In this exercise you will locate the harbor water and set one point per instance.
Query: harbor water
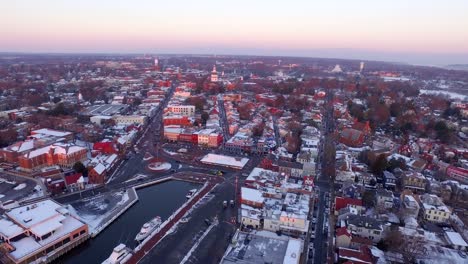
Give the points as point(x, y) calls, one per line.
point(160, 199)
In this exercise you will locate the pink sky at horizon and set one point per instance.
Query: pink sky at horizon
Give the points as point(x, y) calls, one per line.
point(419, 27)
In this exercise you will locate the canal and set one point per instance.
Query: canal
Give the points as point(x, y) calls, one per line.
point(160, 199)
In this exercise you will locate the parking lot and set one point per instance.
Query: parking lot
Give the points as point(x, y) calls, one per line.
point(17, 188)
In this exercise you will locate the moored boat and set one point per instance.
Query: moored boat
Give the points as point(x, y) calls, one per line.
point(120, 255)
point(148, 228)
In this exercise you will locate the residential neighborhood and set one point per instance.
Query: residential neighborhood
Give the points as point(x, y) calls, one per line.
point(280, 160)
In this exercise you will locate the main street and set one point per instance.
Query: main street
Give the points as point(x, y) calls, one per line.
point(323, 184)
point(224, 121)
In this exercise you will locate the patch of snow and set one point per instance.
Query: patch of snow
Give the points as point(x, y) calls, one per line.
point(160, 166)
point(170, 152)
point(452, 95)
point(20, 186)
point(138, 176)
point(124, 199)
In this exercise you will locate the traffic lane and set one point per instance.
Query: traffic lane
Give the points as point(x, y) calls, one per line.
point(213, 246)
point(319, 239)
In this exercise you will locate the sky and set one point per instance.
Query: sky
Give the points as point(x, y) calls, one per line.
point(429, 32)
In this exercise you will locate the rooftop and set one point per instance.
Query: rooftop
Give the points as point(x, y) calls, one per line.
point(263, 247)
point(252, 195)
point(50, 132)
point(223, 160)
point(41, 218)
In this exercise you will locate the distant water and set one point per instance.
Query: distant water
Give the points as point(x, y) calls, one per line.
point(161, 199)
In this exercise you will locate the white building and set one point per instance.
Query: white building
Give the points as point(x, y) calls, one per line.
point(40, 231)
point(434, 209)
point(456, 241)
point(130, 119)
point(186, 110)
point(99, 119)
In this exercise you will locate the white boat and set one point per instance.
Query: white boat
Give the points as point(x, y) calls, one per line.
point(191, 193)
point(120, 255)
point(148, 228)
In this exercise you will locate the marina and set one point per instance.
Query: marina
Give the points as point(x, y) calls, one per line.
point(127, 226)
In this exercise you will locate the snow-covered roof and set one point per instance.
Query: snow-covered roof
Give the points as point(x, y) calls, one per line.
point(30, 215)
point(252, 195)
point(22, 146)
point(262, 247)
point(223, 160)
point(24, 247)
point(41, 218)
point(37, 152)
point(46, 227)
point(257, 173)
point(58, 148)
point(99, 168)
point(456, 239)
point(9, 229)
point(293, 251)
point(50, 132)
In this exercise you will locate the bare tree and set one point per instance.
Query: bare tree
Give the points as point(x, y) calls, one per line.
point(410, 247)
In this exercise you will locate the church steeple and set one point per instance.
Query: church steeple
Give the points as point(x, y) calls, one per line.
point(214, 74)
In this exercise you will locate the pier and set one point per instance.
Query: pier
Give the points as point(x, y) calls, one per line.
point(149, 243)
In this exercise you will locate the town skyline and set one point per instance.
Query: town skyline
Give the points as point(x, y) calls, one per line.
point(420, 32)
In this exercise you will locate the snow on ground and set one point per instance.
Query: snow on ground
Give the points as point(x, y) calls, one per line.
point(124, 199)
point(197, 243)
point(147, 156)
point(20, 186)
point(10, 182)
point(160, 166)
point(138, 176)
point(452, 95)
point(1, 196)
point(170, 152)
point(36, 193)
point(96, 210)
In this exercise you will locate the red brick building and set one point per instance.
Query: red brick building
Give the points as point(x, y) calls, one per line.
point(177, 120)
point(186, 136)
point(97, 174)
point(343, 202)
point(215, 139)
point(64, 155)
point(252, 197)
point(105, 147)
point(459, 174)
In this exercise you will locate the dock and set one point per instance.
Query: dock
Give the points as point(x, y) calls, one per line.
point(132, 199)
point(156, 237)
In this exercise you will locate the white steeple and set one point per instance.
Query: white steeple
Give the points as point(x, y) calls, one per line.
point(214, 74)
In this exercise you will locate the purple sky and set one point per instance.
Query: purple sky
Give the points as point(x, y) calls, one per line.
point(422, 32)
